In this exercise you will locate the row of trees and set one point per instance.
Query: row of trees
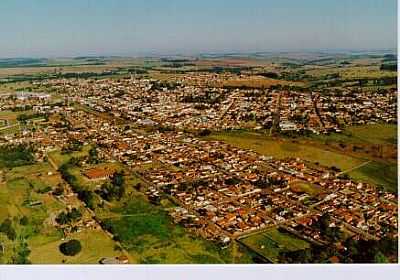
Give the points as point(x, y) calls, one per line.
point(83, 194)
point(23, 118)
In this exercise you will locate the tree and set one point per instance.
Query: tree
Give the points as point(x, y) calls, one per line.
point(93, 156)
point(58, 191)
point(68, 217)
point(6, 228)
point(380, 258)
point(24, 221)
point(87, 197)
point(71, 247)
point(204, 132)
point(75, 214)
point(111, 190)
point(62, 218)
point(22, 255)
point(118, 179)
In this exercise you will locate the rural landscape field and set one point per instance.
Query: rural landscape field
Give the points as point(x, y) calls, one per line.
point(269, 157)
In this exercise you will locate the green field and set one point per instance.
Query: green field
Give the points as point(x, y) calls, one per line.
point(375, 133)
point(364, 134)
point(95, 245)
point(272, 242)
point(59, 158)
point(23, 186)
point(378, 173)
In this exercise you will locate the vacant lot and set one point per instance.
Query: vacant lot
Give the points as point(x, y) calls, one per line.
point(272, 242)
point(305, 187)
point(58, 158)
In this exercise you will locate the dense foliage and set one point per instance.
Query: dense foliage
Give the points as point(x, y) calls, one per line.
point(114, 189)
point(71, 247)
point(16, 155)
point(7, 228)
point(68, 217)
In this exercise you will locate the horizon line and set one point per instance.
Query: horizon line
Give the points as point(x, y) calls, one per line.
point(156, 54)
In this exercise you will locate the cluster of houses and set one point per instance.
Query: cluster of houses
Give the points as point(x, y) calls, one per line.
point(222, 192)
point(194, 105)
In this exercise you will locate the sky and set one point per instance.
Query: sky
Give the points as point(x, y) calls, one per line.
point(50, 28)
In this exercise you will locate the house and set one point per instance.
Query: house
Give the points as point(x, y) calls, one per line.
point(99, 173)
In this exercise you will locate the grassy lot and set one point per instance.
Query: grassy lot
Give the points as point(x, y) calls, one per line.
point(12, 116)
point(272, 242)
point(12, 126)
point(378, 173)
point(95, 245)
point(375, 133)
point(12, 129)
point(305, 187)
point(26, 184)
point(59, 159)
point(149, 235)
point(9, 115)
point(22, 186)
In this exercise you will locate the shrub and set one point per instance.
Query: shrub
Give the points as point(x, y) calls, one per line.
point(24, 221)
point(58, 191)
point(205, 132)
point(70, 248)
